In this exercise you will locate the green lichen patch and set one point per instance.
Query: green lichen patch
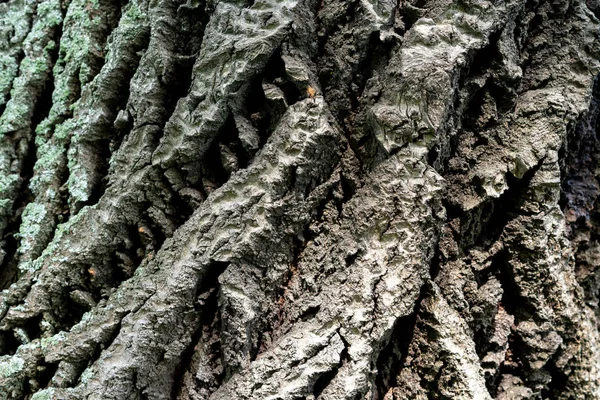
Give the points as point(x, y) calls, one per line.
point(11, 365)
point(34, 218)
point(46, 394)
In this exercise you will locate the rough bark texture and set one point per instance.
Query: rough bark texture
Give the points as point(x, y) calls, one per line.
point(299, 199)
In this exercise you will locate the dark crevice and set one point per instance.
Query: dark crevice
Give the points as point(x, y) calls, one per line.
point(299, 245)
point(486, 222)
point(436, 263)
point(214, 173)
point(558, 382)
point(580, 187)
point(511, 365)
point(45, 374)
point(10, 261)
point(484, 58)
point(207, 308)
point(347, 59)
point(135, 249)
point(351, 258)
point(473, 112)
point(8, 266)
point(376, 58)
point(348, 189)
point(472, 98)
point(257, 111)
point(515, 305)
point(310, 312)
point(410, 12)
point(44, 102)
point(263, 112)
point(99, 279)
point(326, 378)
point(275, 73)
point(392, 356)
point(8, 343)
point(229, 136)
point(192, 18)
point(594, 7)
point(67, 312)
point(32, 327)
point(329, 27)
point(102, 154)
point(512, 301)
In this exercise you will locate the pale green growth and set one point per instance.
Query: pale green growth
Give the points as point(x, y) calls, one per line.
point(28, 266)
point(71, 71)
point(16, 18)
point(13, 115)
point(77, 182)
point(33, 220)
point(8, 70)
point(52, 341)
point(79, 41)
point(86, 317)
point(33, 67)
point(59, 233)
point(7, 183)
point(50, 157)
point(33, 70)
point(50, 12)
point(10, 365)
point(86, 375)
point(41, 131)
point(46, 394)
point(5, 206)
point(133, 14)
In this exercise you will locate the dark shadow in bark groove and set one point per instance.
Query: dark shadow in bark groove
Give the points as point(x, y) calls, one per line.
point(103, 153)
point(579, 186)
point(392, 357)
point(325, 379)
point(514, 305)
point(377, 56)
point(97, 351)
point(275, 73)
point(483, 225)
point(207, 308)
point(46, 372)
point(558, 382)
point(8, 343)
point(8, 267)
point(511, 298)
point(32, 327)
point(506, 207)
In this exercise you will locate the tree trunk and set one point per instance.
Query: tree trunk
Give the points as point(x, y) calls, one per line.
point(299, 199)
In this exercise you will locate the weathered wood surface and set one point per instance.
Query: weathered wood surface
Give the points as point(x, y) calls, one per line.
point(299, 199)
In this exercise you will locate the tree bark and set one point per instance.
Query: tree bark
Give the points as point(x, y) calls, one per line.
point(299, 199)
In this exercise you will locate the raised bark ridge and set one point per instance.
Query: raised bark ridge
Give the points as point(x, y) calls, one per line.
point(299, 199)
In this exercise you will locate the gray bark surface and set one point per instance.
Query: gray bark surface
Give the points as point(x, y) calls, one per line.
point(299, 199)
